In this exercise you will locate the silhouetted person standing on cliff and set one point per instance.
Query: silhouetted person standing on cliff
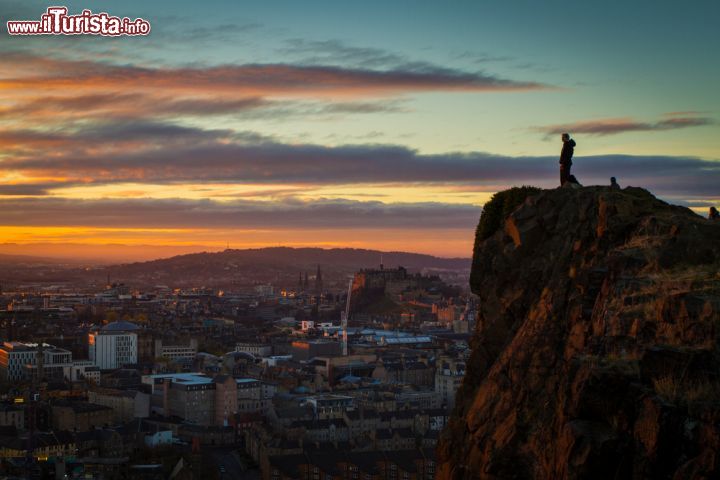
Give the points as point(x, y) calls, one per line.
point(566, 155)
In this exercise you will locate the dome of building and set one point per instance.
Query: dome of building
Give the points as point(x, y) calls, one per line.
point(240, 356)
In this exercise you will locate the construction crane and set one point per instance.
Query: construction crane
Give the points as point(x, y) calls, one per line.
point(35, 383)
point(344, 320)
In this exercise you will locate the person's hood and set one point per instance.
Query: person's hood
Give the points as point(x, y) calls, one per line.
point(571, 142)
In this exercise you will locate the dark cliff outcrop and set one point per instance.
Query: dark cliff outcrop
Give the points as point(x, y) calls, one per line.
point(596, 349)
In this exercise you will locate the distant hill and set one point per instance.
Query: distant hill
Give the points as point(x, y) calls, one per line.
point(279, 265)
point(287, 256)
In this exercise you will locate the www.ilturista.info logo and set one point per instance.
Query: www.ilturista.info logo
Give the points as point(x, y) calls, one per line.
point(56, 21)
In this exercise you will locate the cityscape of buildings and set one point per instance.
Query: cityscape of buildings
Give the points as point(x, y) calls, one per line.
point(238, 245)
point(263, 382)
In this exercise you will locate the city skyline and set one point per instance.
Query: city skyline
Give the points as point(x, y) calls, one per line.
point(332, 124)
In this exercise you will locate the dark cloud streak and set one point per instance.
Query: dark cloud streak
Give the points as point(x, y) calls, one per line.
point(239, 214)
point(156, 152)
point(253, 79)
point(614, 126)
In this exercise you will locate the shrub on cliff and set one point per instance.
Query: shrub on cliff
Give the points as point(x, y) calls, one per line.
point(493, 216)
point(498, 208)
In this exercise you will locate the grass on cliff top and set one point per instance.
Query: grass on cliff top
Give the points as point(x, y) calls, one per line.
point(499, 207)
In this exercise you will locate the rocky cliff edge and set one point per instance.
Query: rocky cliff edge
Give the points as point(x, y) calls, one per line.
point(596, 348)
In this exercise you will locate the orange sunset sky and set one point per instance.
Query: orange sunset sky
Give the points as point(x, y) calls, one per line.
point(334, 124)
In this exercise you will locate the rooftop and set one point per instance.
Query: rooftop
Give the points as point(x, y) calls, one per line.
point(119, 326)
point(182, 378)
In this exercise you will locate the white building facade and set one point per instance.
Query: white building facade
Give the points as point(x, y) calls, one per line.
point(114, 346)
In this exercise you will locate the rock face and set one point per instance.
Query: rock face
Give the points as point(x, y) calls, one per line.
point(596, 349)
